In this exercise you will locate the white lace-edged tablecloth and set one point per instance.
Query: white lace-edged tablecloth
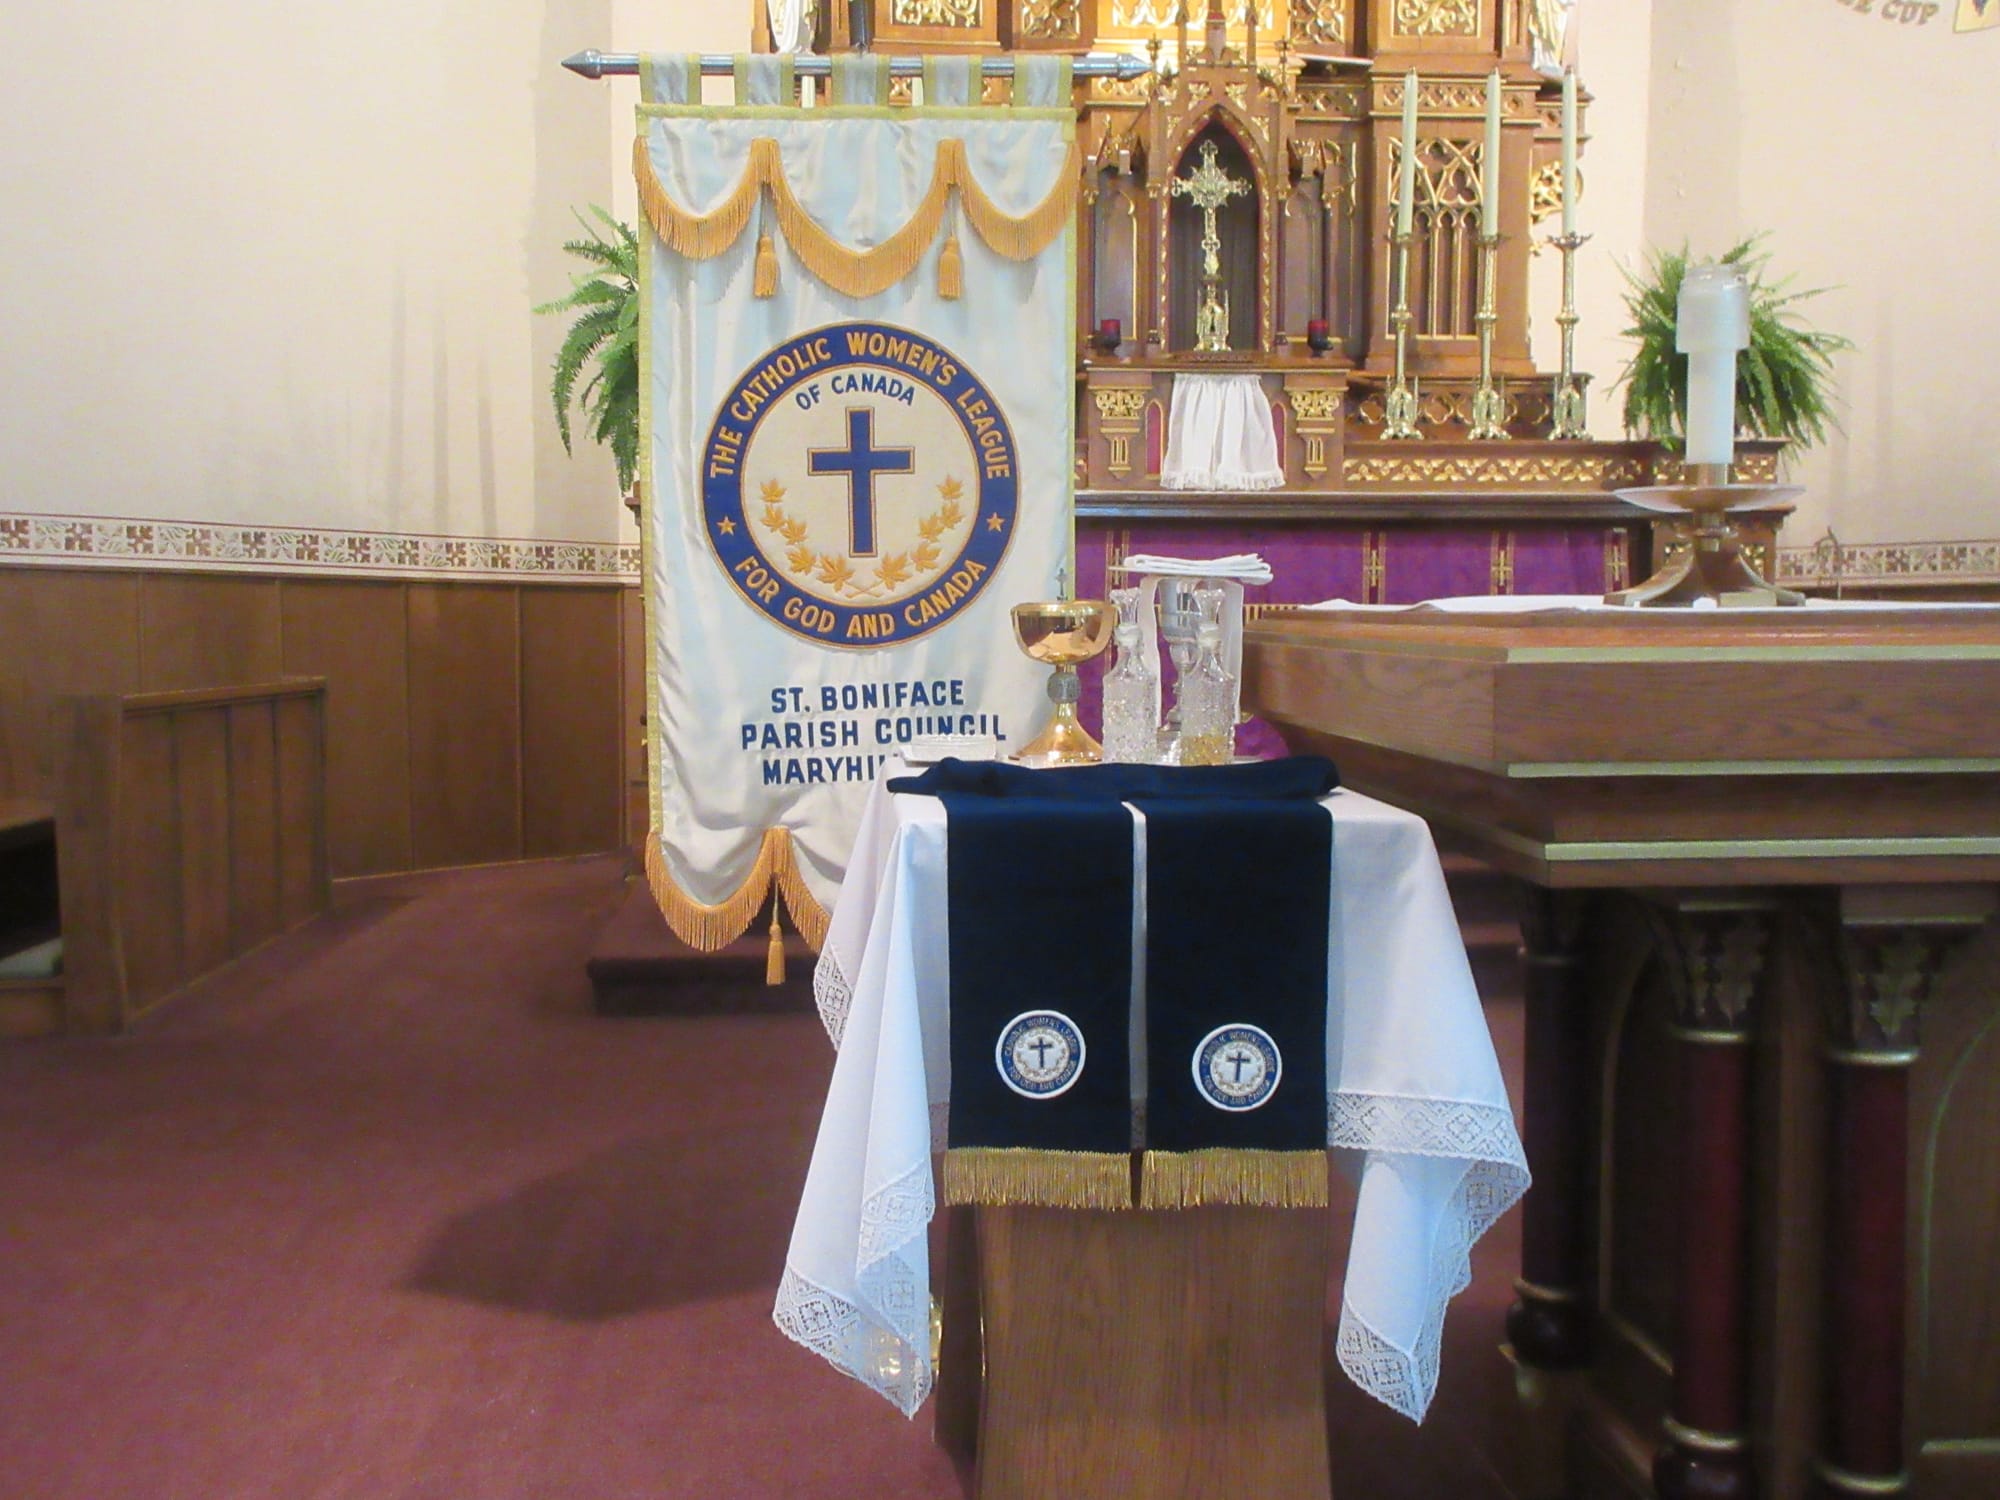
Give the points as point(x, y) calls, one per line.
point(1415, 1095)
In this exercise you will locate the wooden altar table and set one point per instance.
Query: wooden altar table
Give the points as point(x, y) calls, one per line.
point(1756, 854)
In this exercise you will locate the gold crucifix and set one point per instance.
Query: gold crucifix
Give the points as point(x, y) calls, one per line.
point(1208, 187)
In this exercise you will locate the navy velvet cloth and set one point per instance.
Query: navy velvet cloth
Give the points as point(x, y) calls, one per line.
point(1238, 871)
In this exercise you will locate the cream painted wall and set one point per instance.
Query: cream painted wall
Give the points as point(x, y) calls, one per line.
point(273, 264)
point(1865, 140)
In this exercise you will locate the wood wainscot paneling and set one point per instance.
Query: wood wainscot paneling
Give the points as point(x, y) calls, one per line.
point(61, 632)
point(199, 630)
point(190, 826)
point(356, 636)
point(465, 723)
point(635, 805)
point(570, 726)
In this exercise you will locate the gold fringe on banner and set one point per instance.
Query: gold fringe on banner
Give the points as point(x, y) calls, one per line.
point(809, 918)
point(1262, 1179)
point(1016, 1178)
point(951, 270)
point(764, 281)
point(855, 273)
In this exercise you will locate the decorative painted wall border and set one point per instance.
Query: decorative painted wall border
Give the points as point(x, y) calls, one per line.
point(115, 541)
point(1916, 563)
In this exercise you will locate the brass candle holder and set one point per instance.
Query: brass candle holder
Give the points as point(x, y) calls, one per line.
point(1712, 567)
point(1489, 407)
point(1568, 402)
point(1399, 402)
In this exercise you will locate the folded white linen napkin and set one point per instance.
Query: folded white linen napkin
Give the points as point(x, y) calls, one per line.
point(1245, 567)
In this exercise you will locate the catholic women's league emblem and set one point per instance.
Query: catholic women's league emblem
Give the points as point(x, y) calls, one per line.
point(859, 485)
point(1237, 1067)
point(1040, 1053)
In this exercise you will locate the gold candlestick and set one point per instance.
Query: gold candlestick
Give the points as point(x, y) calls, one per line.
point(1567, 406)
point(1489, 407)
point(1399, 403)
point(1712, 568)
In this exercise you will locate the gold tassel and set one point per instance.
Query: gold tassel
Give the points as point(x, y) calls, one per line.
point(1262, 1179)
point(774, 955)
point(764, 282)
point(1013, 1177)
point(951, 270)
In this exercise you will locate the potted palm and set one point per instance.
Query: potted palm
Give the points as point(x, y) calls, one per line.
point(597, 368)
point(1784, 380)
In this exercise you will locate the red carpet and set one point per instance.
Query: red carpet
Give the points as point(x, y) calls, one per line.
point(383, 1213)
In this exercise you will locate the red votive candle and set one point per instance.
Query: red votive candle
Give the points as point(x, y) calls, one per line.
point(1316, 328)
point(1109, 331)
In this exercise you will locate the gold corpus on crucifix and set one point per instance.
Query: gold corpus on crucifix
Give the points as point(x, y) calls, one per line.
point(1208, 187)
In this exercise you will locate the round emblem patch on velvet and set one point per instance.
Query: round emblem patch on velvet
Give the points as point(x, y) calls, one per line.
point(1237, 1067)
point(1040, 1054)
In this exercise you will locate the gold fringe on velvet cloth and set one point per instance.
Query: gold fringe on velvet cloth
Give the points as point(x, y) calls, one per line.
point(1015, 1178)
point(706, 928)
point(855, 273)
point(1260, 1179)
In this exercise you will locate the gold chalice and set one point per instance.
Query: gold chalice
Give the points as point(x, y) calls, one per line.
point(1063, 633)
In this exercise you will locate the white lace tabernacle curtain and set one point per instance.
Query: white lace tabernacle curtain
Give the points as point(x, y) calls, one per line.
point(1416, 1108)
point(1220, 436)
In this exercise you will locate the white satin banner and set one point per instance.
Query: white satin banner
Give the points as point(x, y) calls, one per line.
point(857, 384)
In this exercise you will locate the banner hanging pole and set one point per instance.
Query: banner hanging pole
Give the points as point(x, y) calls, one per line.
point(590, 63)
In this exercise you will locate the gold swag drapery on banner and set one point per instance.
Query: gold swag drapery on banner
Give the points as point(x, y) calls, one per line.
point(856, 363)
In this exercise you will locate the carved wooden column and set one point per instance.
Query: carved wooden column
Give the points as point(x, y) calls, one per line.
point(1713, 948)
point(1549, 1323)
point(1892, 945)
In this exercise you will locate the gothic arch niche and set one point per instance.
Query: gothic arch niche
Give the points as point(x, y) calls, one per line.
point(1239, 222)
point(1115, 241)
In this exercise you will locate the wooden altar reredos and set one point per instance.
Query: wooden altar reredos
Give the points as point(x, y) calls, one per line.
point(1303, 102)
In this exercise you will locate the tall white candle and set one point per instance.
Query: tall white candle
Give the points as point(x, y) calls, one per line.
point(1569, 151)
point(1712, 322)
point(1489, 185)
point(1406, 175)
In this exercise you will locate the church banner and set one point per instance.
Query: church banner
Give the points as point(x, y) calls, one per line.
point(856, 367)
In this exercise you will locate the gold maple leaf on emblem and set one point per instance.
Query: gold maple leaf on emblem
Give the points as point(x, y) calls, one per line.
point(893, 569)
point(793, 530)
point(774, 517)
point(925, 555)
point(773, 492)
point(835, 571)
point(949, 488)
point(799, 558)
point(950, 514)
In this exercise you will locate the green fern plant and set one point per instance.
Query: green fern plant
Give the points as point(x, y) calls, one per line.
point(1784, 380)
point(606, 334)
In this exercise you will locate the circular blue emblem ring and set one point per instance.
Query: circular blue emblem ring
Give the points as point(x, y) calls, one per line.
point(859, 485)
point(1237, 1067)
point(1039, 1054)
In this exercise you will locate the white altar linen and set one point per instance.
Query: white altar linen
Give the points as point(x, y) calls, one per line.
point(1220, 436)
point(1416, 1104)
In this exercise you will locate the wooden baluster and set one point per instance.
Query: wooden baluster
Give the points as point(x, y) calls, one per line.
point(1892, 945)
point(1549, 1324)
point(1713, 946)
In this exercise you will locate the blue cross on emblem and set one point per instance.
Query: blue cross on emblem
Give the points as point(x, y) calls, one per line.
point(861, 461)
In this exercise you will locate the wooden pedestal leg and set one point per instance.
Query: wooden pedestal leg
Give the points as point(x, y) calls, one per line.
point(1713, 948)
point(1889, 961)
point(1548, 1326)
